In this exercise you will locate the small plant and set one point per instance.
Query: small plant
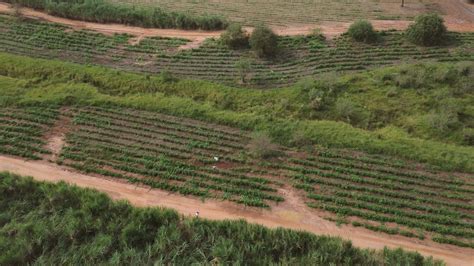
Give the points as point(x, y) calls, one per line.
point(428, 30)
point(235, 37)
point(362, 31)
point(264, 41)
point(167, 76)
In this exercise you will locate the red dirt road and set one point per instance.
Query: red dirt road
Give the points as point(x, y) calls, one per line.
point(290, 214)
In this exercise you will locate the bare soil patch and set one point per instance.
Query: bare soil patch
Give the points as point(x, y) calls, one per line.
point(55, 136)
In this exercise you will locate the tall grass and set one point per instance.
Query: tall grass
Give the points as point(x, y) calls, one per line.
point(104, 12)
point(52, 224)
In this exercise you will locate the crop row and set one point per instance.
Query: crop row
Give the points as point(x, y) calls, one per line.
point(300, 56)
point(22, 130)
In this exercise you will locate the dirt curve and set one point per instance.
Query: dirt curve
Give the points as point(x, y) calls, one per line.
point(290, 214)
point(458, 18)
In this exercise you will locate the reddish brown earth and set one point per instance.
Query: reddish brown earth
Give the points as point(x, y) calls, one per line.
point(293, 213)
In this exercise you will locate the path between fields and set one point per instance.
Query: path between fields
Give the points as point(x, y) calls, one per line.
point(290, 214)
point(458, 18)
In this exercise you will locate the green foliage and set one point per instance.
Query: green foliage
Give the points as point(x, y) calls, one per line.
point(261, 146)
point(72, 225)
point(244, 66)
point(427, 30)
point(104, 12)
point(281, 112)
point(362, 31)
point(264, 41)
point(235, 37)
point(346, 110)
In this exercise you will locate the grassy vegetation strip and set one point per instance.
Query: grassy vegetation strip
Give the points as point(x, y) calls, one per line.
point(103, 11)
point(195, 99)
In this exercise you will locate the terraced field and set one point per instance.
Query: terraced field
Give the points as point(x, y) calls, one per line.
point(210, 161)
point(275, 12)
point(300, 56)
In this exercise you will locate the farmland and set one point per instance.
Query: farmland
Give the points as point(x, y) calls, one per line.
point(302, 56)
point(275, 12)
point(348, 119)
point(208, 161)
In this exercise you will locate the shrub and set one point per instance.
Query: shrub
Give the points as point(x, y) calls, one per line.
point(264, 41)
point(243, 66)
point(428, 29)
point(261, 146)
point(345, 110)
point(235, 37)
point(362, 31)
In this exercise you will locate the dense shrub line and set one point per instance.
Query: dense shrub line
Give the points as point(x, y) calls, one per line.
point(100, 231)
point(104, 12)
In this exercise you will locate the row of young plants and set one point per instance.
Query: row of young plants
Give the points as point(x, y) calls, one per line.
point(149, 120)
point(134, 146)
point(21, 131)
point(378, 182)
point(375, 204)
point(350, 185)
point(303, 55)
point(385, 165)
point(349, 169)
point(178, 143)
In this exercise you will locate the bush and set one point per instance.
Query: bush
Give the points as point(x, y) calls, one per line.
point(261, 146)
point(428, 29)
point(264, 41)
point(345, 110)
point(235, 37)
point(362, 31)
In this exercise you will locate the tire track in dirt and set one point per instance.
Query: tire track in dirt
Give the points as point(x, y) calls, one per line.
point(290, 214)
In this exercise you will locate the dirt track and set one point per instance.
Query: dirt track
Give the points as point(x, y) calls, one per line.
point(290, 214)
point(458, 18)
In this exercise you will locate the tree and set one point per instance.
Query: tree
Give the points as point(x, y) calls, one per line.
point(244, 66)
point(235, 37)
point(362, 31)
point(428, 29)
point(264, 41)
